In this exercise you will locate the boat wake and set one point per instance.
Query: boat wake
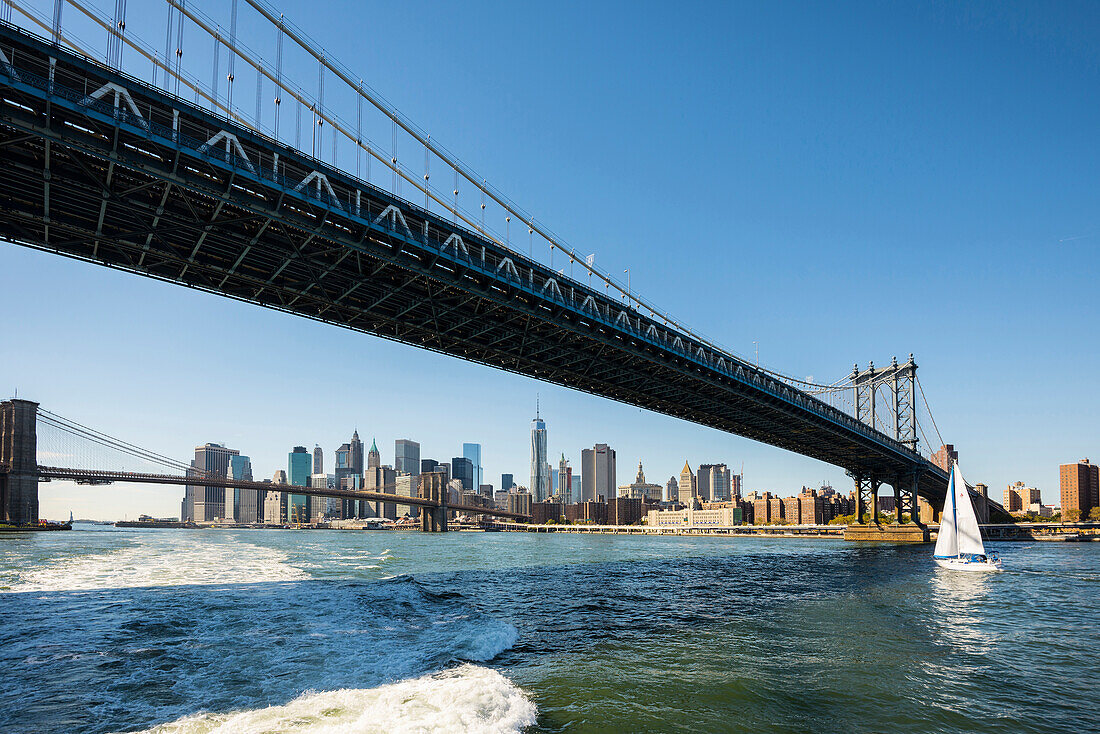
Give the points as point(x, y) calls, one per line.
point(462, 699)
point(161, 559)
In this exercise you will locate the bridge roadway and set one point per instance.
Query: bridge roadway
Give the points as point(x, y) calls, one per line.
point(94, 477)
point(104, 168)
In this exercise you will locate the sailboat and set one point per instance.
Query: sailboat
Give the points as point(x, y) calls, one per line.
point(959, 544)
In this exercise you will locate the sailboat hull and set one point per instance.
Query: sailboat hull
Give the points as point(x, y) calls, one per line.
point(964, 564)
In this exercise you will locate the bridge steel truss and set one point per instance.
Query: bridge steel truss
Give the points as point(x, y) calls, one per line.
point(104, 168)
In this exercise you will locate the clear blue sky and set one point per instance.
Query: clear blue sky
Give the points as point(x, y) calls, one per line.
point(837, 184)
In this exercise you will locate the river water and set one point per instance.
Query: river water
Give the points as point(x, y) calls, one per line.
point(105, 630)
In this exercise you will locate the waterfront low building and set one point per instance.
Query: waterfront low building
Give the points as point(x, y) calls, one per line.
point(711, 517)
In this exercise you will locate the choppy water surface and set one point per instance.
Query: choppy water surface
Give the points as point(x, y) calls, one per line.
point(319, 631)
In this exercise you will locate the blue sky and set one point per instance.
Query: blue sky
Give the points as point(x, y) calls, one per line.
point(837, 184)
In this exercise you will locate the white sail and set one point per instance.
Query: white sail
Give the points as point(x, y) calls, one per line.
point(966, 522)
point(947, 544)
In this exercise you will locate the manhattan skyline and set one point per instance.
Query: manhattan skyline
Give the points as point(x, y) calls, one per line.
point(827, 219)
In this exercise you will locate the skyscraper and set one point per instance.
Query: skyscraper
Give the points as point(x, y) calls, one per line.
point(275, 501)
point(355, 454)
point(406, 486)
point(406, 457)
point(735, 486)
point(428, 466)
point(318, 460)
point(598, 473)
point(540, 476)
point(374, 456)
point(379, 479)
point(298, 468)
point(506, 482)
point(462, 469)
point(672, 490)
point(349, 473)
point(565, 481)
point(713, 483)
point(204, 504)
point(687, 487)
point(247, 504)
point(472, 451)
point(321, 508)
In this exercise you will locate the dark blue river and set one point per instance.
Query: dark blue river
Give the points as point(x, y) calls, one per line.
point(105, 630)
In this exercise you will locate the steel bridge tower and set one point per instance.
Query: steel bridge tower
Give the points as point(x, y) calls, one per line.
point(898, 381)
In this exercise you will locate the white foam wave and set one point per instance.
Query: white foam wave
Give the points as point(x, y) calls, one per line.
point(162, 559)
point(463, 699)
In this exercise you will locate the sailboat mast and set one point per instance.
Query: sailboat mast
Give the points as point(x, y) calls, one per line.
point(955, 509)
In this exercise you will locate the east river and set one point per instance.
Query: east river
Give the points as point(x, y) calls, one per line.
point(106, 630)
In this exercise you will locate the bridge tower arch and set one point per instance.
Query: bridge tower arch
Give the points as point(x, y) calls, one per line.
point(19, 453)
point(433, 486)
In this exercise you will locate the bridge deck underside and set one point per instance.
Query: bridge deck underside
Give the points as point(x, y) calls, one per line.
point(113, 194)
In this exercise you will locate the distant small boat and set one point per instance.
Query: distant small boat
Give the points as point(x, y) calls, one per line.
point(959, 543)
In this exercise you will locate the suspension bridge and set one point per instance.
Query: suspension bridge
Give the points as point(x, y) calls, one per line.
point(127, 160)
point(31, 436)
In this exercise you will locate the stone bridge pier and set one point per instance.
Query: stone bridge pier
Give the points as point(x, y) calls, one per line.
point(433, 486)
point(19, 453)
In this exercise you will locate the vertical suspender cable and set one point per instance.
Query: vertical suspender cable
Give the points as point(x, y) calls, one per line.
point(393, 158)
point(109, 54)
point(57, 6)
point(232, 56)
point(214, 71)
point(320, 121)
point(358, 132)
point(259, 98)
point(179, 48)
point(278, 75)
point(121, 26)
point(168, 45)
